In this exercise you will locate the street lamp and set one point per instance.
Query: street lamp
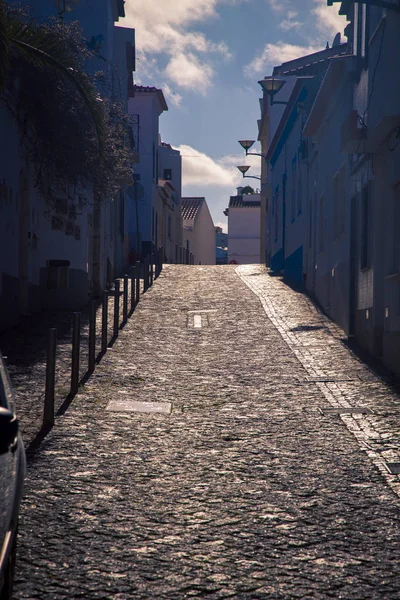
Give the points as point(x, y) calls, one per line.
point(243, 169)
point(64, 6)
point(247, 144)
point(271, 85)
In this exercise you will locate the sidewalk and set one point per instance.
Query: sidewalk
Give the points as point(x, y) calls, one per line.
point(252, 487)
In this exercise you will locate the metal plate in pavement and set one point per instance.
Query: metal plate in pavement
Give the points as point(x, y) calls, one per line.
point(142, 407)
point(393, 468)
point(353, 410)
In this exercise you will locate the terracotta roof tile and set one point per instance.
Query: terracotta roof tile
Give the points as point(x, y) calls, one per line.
point(238, 202)
point(190, 207)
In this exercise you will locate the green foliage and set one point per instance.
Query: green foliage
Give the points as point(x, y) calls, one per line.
point(74, 138)
point(247, 190)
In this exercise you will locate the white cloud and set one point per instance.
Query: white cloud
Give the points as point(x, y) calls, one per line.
point(171, 96)
point(278, 6)
point(186, 71)
point(161, 27)
point(276, 54)
point(328, 21)
point(288, 24)
point(199, 169)
point(224, 226)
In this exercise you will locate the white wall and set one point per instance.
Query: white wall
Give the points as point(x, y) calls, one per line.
point(204, 239)
point(244, 234)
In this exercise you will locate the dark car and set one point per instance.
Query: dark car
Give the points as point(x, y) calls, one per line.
point(12, 472)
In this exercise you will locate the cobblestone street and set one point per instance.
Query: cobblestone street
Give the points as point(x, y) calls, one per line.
point(273, 475)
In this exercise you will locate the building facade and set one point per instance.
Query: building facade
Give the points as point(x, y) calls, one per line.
point(244, 218)
point(198, 230)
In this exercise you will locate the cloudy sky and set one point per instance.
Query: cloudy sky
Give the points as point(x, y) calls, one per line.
point(207, 56)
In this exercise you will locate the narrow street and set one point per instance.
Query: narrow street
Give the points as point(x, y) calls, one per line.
point(269, 472)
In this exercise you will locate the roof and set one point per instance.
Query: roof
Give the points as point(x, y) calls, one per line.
point(336, 76)
point(290, 109)
point(242, 202)
point(191, 207)
point(146, 89)
point(311, 64)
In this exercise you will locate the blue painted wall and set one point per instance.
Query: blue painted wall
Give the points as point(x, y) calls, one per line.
point(277, 261)
point(293, 268)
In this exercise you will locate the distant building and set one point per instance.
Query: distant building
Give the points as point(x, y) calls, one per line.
point(170, 178)
point(145, 106)
point(244, 215)
point(198, 230)
point(221, 246)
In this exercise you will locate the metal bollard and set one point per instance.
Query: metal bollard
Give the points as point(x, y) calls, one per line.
point(92, 337)
point(116, 309)
point(137, 278)
point(76, 342)
point(145, 273)
point(48, 410)
point(152, 265)
point(156, 263)
point(125, 300)
point(133, 292)
point(104, 323)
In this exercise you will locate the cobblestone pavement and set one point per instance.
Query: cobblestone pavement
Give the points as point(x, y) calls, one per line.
point(250, 488)
point(25, 348)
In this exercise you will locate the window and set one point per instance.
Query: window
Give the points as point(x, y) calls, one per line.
point(365, 250)
point(168, 174)
point(321, 228)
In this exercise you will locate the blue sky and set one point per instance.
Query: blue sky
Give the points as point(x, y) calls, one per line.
point(207, 56)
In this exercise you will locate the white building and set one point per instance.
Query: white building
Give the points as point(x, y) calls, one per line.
point(328, 268)
point(370, 143)
point(54, 255)
point(244, 216)
point(198, 230)
point(145, 106)
point(170, 177)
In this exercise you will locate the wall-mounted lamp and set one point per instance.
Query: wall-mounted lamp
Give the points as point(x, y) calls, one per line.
point(271, 85)
point(247, 144)
point(243, 169)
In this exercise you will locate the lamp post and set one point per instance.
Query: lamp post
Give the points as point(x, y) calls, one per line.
point(243, 169)
point(271, 85)
point(246, 145)
point(64, 6)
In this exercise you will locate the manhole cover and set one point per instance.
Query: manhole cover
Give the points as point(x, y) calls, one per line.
point(346, 411)
point(142, 407)
point(393, 468)
point(327, 380)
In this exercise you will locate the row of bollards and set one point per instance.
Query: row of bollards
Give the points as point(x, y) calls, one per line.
point(148, 271)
